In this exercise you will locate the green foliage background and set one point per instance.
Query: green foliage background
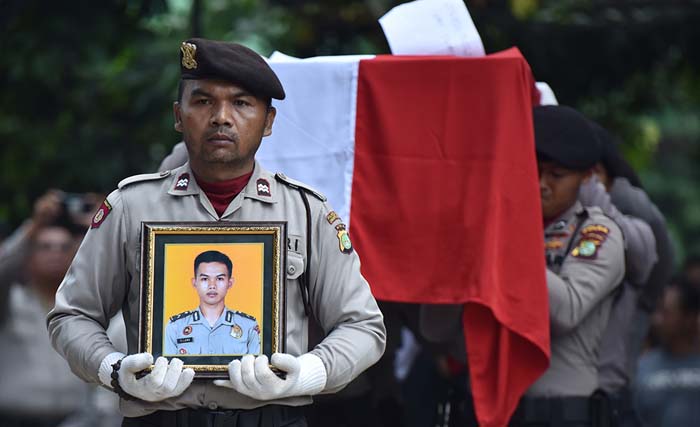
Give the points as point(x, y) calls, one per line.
point(87, 86)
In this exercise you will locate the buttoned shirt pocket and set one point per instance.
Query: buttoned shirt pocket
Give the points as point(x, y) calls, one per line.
point(295, 265)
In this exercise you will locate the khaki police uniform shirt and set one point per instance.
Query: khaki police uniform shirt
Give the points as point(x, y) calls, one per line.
point(104, 277)
point(232, 333)
point(581, 285)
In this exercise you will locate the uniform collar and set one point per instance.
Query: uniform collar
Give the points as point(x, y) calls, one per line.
point(565, 218)
point(224, 318)
point(261, 186)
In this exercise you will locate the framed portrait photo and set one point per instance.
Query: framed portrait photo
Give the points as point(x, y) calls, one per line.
point(212, 292)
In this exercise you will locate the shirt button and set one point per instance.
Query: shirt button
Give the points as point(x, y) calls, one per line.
point(291, 269)
point(213, 406)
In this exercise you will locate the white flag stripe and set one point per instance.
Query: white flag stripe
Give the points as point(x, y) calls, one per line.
point(313, 138)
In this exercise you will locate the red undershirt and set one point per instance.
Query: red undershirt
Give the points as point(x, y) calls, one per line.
point(221, 193)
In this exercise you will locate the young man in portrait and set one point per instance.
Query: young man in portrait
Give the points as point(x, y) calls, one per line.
point(212, 328)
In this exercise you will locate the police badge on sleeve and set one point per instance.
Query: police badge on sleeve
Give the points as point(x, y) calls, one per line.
point(101, 214)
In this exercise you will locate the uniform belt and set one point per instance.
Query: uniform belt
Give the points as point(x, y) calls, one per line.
point(265, 416)
point(554, 410)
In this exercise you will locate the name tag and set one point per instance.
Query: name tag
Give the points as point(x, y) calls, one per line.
point(184, 340)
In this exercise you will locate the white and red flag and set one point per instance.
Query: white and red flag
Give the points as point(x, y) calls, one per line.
point(431, 160)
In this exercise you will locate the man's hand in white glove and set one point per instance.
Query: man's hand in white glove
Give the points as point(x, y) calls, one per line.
point(253, 377)
point(166, 380)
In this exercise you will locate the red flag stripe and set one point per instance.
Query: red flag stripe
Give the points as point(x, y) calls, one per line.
point(445, 207)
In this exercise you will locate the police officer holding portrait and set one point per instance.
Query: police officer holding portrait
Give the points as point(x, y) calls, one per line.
point(212, 328)
point(223, 111)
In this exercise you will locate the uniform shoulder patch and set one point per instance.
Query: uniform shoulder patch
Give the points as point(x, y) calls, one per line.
point(289, 182)
point(142, 177)
point(344, 242)
point(591, 240)
point(101, 214)
point(247, 316)
point(180, 316)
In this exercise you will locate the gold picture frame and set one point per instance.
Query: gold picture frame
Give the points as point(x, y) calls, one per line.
point(212, 292)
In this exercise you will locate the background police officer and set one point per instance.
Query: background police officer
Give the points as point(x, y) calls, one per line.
point(584, 254)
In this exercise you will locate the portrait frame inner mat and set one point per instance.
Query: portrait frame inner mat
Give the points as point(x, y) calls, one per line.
point(254, 305)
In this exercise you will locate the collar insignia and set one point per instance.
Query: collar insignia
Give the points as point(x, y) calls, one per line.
point(263, 187)
point(183, 181)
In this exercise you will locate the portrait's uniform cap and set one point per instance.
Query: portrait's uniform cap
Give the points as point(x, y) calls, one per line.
point(565, 136)
point(211, 59)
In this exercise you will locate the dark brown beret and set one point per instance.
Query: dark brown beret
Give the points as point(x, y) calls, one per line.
point(210, 59)
point(565, 136)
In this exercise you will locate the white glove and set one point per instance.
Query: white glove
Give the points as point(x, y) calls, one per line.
point(252, 376)
point(166, 380)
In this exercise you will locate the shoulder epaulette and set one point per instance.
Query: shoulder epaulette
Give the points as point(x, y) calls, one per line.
point(143, 177)
point(247, 316)
point(289, 182)
point(180, 316)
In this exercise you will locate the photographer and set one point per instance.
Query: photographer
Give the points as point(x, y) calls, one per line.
point(37, 387)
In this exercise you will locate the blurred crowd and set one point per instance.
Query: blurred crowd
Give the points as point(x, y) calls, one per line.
point(647, 352)
point(37, 387)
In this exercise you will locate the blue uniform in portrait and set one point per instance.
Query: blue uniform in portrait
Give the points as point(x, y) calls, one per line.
point(233, 333)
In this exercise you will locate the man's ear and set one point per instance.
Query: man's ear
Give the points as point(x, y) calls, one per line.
point(230, 283)
point(269, 119)
point(194, 282)
point(178, 116)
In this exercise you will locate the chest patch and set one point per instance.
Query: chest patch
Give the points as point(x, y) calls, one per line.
point(236, 331)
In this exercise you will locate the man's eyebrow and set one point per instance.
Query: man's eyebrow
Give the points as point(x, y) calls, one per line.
point(199, 92)
point(241, 93)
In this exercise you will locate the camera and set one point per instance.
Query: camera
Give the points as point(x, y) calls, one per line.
point(76, 204)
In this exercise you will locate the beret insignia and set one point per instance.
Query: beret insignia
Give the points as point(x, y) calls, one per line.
point(188, 50)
